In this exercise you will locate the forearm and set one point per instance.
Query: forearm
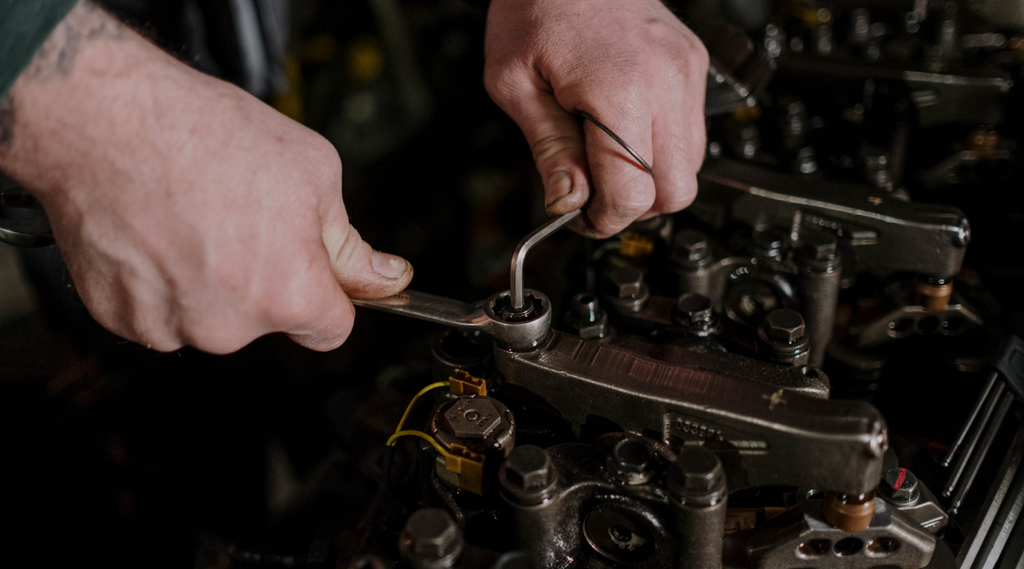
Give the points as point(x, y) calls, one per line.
point(91, 80)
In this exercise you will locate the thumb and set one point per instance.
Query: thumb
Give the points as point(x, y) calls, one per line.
point(361, 271)
point(555, 136)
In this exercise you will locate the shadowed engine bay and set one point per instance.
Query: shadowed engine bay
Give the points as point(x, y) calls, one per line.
point(812, 366)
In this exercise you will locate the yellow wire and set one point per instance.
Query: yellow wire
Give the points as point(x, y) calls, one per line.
point(420, 434)
point(413, 402)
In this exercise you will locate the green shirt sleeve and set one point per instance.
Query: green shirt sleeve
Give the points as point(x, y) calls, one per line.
point(24, 26)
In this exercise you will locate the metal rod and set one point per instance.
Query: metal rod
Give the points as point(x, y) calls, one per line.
point(979, 456)
point(970, 419)
point(519, 257)
point(997, 494)
point(1007, 516)
point(986, 413)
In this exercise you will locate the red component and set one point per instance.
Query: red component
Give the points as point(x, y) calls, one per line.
point(899, 479)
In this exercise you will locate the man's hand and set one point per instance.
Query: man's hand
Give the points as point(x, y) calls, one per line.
point(188, 212)
point(630, 63)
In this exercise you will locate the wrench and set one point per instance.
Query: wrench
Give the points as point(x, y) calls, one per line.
point(486, 315)
point(518, 319)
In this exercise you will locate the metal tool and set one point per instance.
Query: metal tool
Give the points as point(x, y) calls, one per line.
point(519, 257)
point(992, 379)
point(486, 315)
point(517, 319)
point(23, 222)
point(984, 421)
point(987, 539)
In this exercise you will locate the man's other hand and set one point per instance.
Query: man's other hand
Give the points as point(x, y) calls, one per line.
point(632, 65)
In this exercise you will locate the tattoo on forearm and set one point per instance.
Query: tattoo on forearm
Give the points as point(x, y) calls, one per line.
point(85, 23)
point(56, 58)
point(6, 121)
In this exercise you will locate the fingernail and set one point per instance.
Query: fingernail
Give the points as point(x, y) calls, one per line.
point(389, 266)
point(559, 185)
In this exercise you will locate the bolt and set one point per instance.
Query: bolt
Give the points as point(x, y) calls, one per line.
point(586, 305)
point(472, 417)
point(528, 468)
point(693, 309)
point(586, 316)
point(690, 245)
point(630, 461)
point(697, 477)
point(769, 242)
point(628, 281)
point(818, 246)
point(784, 325)
point(860, 21)
point(431, 539)
point(901, 486)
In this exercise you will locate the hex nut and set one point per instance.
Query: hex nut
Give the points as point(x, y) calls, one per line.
point(784, 325)
point(472, 417)
point(431, 539)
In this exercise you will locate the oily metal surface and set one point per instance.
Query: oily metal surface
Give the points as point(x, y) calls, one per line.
point(763, 434)
point(885, 234)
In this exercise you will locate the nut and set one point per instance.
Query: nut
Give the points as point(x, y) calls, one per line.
point(784, 325)
point(472, 417)
point(431, 538)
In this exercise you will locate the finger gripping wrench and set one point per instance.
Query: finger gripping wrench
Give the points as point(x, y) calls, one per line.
point(518, 319)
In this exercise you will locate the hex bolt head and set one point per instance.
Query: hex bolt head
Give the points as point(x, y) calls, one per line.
point(528, 476)
point(818, 246)
point(431, 539)
point(784, 325)
point(697, 477)
point(693, 309)
point(900, 485)
point(529, 467)
point(690, 245)
point(627, 282)
point(472, 417)
point(630, 461)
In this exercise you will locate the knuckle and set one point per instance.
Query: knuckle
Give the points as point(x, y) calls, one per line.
point(630, 204)
point(221, 341)
point(503, 80)
point(290, 309)
point(553, 147)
